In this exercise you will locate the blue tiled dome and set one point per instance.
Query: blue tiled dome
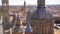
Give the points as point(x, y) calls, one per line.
point(28, 28)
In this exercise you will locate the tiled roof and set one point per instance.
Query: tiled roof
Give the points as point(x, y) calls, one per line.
point(41, 14)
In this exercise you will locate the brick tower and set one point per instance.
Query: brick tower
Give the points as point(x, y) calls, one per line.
point(24, 4)
point(5, 10)
point(42, 20)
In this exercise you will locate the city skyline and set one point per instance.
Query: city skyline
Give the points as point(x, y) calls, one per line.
point(31, 2)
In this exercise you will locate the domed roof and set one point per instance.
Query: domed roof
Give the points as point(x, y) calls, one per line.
point(28, 28)
point(41, 13)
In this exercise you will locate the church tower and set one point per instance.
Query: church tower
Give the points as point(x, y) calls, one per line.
point(42, 20)
point(24, 4)
point(5, 10)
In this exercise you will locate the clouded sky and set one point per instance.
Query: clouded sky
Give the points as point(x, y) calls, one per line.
point(31, 2)
point(51, 2)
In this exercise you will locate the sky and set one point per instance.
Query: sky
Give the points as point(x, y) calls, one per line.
point(52, 2)
point(31, 2)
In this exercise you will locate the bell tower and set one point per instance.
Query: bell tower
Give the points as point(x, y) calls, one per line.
point(42, 20)
point(24, 4)
point(5, 10)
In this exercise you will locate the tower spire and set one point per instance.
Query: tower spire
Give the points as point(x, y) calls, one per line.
point(24, 3)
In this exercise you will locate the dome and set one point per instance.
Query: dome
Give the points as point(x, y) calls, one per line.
point(41, 13)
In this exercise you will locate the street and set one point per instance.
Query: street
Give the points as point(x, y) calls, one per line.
point(57, 31)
